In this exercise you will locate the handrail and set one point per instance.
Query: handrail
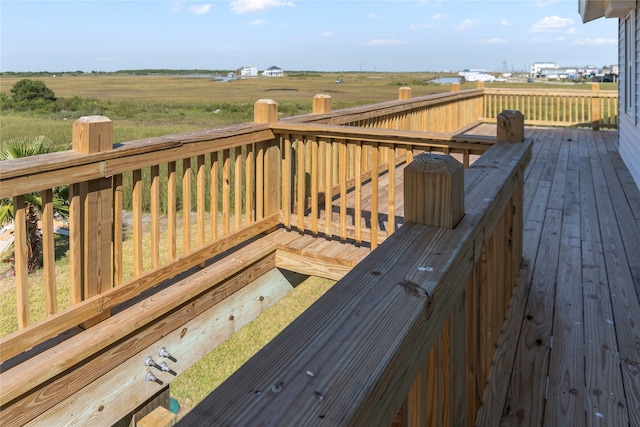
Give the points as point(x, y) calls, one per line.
point(352, 357)
point(593, 108)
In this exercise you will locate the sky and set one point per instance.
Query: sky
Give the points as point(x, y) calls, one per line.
point(319, 35)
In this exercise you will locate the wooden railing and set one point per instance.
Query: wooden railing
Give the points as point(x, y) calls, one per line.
point(409, 334)
point(245, 180)
point(236, 173)
point(595, 108)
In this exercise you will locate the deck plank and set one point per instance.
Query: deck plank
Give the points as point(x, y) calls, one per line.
point(565, 387)
point(602, 361)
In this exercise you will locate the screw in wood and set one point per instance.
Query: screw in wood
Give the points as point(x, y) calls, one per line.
point(164, 353)
point(150, 377)
point(166, 368)
point(152, 363)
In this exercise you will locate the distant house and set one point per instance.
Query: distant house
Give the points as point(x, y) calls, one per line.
point(246, 72)
point(273, 72)
point(628, 14)
point(537, 67)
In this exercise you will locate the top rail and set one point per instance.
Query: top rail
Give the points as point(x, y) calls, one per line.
point(593, 108)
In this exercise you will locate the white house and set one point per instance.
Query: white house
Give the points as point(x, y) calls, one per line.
point(537, 67)
point(628, 14)
point(246, 72)
point(273, 72)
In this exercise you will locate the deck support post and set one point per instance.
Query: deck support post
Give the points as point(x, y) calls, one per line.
point(404, 93)
point(434, 195)
point(321, 104)
point(91, 217)
point(434, 190)
point(510, 126)
point(266, 111)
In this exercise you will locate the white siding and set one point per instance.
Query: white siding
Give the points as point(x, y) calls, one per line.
point(629, 125)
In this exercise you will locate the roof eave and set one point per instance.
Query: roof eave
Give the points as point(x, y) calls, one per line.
point(594, 9)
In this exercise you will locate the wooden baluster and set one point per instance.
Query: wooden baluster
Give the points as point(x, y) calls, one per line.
point(237, 188)
point(155, 216)
point(200, 199)
point(172, 217)
point(328, 199)
point(249, 178)
point(48, 252)
point(300, 181)
point(186, 205)
point(358, 191)
point(137, 222)
point(21, 253)
point(595, 106)
point(286, 181)
point(374, 196)
point(214, 193)
point(118, 230)
point(342, 161)
point(314, 184)
point(391, 176)
point(226, 192)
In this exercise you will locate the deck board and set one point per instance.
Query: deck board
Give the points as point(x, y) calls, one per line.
point(577, 359)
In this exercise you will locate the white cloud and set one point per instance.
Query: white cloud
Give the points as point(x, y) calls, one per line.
point(504, 23)
point(385, 42)
point(328, 34)
point(551, 24)
point(200, 9)
point(572, 30)
point(258, 22)
point(493, 40)
point(437, 17)
point(466, 24)
point(374, 16)
point(597, 41)
point(244, 6)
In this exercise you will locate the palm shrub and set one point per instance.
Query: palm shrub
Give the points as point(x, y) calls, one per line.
point(26, 147)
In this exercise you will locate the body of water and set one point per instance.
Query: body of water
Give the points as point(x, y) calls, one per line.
point(446, 80)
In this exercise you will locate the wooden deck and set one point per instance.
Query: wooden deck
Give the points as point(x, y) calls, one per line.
point(577, 361)
point(578, 357)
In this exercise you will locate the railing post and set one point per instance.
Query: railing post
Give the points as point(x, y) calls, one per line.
point(321, 104)
point(595, 106)
point(91, 216)
point(434, 195)
point(480, 85)
point(404, 93)
point(434, 190)
point(455, 87)
point(266, 111)
point(510, 126)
